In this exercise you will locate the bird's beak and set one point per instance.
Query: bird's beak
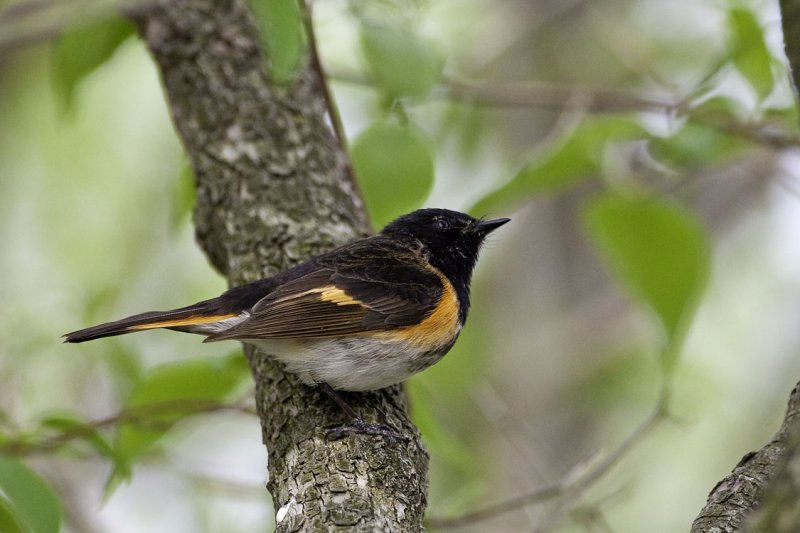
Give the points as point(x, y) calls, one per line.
point(487, 226)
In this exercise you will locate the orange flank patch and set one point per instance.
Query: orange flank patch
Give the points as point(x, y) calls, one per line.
point(188, 321)
point(439, 327)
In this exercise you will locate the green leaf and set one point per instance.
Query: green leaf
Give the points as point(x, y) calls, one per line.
point(749, 50)
point(400, 62)
point(183, 196)
point(696, 145)
point(81, 50)
point(439, 438)
point(9, 521)
point(167, 394)
point(659, 251)
point(31, 503)
point(282, 36)
point(68, 423)
point(575, 157)
point(467, 125)
point(395, 167)
point(616, 380)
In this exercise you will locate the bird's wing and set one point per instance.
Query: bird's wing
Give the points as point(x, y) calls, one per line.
point(347, 296)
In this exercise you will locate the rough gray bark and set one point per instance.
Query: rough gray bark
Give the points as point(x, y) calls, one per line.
point(780, 507)
point(272, 190)
point(790, 20)
point(735, 497)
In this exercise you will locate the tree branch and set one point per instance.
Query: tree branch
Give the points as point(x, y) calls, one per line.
point(272, 190)
point(780, 506)
point(733, 498)
point(551, 95)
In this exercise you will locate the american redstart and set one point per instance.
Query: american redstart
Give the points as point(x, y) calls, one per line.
point(360, 317)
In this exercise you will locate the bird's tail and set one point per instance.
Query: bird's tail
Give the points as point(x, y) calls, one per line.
point(198, 318)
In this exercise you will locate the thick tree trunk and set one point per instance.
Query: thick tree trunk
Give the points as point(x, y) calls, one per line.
point(272, 190)
point(790, 21)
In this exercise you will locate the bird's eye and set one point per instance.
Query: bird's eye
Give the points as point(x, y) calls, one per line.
point(441, 225)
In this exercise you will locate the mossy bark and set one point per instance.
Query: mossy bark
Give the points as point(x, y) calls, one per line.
point(272, 190)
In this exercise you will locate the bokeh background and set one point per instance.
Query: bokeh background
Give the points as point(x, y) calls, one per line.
point(558, 363)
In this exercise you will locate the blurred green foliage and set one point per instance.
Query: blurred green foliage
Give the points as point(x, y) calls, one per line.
point(399, 61)
point(27, 503)
point(749, 50)
point(395, 166)
point(167, 394)
point(281, 30)
point(574, 157)
point(82, 49)
point(96, 204)
point(660, 251)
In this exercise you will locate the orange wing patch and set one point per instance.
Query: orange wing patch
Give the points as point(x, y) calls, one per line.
point(188, 321)
point(328, 293)
point(338, 296)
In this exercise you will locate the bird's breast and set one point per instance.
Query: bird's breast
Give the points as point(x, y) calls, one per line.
point(438, 329)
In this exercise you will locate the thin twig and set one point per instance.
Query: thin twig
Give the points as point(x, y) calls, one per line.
point(140, 415)
point(35, 21)
point(555, 95)
point(605, 99)
point(333, 110)
point(330, 102)
point(596, 100)
point(571, 485)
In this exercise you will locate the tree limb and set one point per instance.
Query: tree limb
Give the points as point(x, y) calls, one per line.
point(735, 497)
point(780, 506)
point(272, 190)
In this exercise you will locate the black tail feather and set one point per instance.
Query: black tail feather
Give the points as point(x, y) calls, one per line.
point(139, 322)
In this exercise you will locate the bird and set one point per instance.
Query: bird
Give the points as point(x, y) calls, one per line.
point(361, 317)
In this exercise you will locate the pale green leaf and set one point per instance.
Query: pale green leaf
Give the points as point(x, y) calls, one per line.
point(68, 423)
point(9, 521)
point(749, 50)
point(575, 157)
point(395, 167)
point(81, 50)
point(400, 61)
point(659, 251)
point(696, 145)
point(183, 199)
point(167, 394)
point(31, 501)
point(282, 36)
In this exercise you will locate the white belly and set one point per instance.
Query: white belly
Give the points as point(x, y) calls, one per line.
point(349, 363)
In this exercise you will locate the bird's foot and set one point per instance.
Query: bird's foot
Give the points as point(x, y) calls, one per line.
point(359, 427)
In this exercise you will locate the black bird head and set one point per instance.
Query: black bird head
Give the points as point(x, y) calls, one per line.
point(451, 240)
